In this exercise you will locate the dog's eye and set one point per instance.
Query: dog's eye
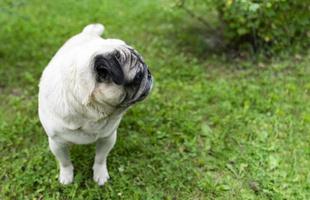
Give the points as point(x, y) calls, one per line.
point(137, 78)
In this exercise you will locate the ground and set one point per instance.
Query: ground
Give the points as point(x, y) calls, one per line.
point(213, 127)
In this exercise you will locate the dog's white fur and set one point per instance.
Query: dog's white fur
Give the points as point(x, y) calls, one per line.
point(73, 108)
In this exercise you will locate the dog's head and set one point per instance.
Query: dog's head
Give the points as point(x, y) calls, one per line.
point(115, 75)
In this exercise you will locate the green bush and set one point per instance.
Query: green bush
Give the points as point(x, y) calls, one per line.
point(270, 24)
point(279, 23)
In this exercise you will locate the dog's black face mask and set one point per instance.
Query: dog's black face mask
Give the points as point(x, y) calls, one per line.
point(125, 67)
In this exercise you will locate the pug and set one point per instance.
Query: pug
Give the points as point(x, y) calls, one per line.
point(84, 92)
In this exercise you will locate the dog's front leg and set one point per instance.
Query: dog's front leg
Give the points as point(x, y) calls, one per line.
point(103, 147)
point(61, 152)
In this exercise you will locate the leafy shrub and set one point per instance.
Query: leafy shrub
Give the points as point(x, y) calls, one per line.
point(262, 23)
point(277, 22)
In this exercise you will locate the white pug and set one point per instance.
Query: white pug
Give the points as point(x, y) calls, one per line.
point(84, 92)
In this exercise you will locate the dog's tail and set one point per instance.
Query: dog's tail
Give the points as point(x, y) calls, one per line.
point(94, 29)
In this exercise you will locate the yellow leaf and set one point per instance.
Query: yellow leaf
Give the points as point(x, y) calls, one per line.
point(228, 3)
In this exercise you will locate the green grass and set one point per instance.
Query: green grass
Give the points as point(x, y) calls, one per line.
point(212, 128)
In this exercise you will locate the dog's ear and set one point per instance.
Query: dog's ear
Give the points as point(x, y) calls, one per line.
point(109, 67)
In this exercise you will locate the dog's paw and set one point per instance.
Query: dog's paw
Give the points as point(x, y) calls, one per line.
point(66, 175)
point(101, 174)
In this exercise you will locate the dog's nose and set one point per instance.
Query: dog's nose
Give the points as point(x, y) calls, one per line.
point(149, 75)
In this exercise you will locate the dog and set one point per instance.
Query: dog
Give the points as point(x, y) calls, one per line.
point(84, 92)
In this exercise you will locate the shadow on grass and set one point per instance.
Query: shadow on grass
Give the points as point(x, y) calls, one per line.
point(195, 39)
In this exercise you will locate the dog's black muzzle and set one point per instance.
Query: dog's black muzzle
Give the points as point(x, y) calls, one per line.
point(141, 92)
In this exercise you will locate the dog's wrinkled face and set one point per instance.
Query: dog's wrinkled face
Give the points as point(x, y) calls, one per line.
point(122, 77)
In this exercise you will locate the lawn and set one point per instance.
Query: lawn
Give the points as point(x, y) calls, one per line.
point(213, 127)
